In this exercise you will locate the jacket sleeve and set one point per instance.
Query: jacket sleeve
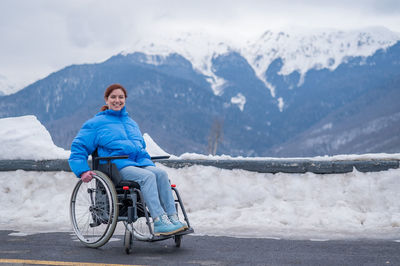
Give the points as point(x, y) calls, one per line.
point(83, 145)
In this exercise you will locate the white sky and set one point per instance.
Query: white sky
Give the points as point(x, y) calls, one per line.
point(43, 36)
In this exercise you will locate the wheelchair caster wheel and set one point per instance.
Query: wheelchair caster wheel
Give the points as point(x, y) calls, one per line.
point(178, 240)
point(128, 242)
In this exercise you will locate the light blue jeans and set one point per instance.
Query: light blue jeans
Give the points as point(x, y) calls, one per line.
point(155, 188)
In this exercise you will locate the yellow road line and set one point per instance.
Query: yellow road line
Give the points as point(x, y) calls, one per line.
point(49, 262)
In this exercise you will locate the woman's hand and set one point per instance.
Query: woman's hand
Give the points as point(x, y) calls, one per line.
point(87, 176)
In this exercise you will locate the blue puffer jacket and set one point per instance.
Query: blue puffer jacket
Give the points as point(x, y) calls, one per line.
point(113, 133)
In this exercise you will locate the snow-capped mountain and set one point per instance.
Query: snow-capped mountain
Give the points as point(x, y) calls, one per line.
point(299, 49)
point(266, 95)
point(301, 52)
point(198, 48)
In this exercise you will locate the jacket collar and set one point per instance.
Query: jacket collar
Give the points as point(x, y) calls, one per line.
point(122, 112)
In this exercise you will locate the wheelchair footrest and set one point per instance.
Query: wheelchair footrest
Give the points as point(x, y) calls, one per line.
point(162, 237)
point(185, 232)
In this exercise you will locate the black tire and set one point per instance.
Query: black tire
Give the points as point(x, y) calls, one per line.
point(128, 241)
point(94, 210)
point(178, 240)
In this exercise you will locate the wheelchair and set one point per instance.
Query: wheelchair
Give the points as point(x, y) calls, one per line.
point(97, 206)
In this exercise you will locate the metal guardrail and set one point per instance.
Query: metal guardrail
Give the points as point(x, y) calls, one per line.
point(291, 166)
point(260, 166)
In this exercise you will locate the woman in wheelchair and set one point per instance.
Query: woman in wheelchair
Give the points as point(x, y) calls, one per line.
point(113, 133)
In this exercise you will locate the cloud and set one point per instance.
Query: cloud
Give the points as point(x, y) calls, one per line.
point(386, 7)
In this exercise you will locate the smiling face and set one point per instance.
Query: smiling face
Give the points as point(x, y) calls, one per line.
point(116, 100)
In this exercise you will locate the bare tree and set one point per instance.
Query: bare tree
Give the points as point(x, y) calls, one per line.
point(216, 134)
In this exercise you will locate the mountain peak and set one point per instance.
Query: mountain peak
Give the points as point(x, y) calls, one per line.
point(300, 49)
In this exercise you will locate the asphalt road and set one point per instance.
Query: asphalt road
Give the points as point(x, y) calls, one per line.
point(64, 249)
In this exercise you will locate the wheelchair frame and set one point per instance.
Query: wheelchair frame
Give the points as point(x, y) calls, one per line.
point(97, 206)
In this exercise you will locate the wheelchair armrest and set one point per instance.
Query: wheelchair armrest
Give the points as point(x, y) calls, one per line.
point(160, 157)
point(127, 156)
point(111, 158)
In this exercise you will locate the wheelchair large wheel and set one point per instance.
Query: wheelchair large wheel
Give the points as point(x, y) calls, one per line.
point(94, 210)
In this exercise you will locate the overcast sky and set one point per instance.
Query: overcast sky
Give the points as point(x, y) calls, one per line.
point(42, 36)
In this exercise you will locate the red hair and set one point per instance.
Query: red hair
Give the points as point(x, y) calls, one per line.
point(109, 90)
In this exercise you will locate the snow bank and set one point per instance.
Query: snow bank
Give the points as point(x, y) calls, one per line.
point(242, 203)
point(152, 147)
point(26, 138)
point(232, 203)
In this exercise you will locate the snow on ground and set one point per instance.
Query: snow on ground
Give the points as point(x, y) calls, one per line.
point(218, 201)
point(232, 203)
